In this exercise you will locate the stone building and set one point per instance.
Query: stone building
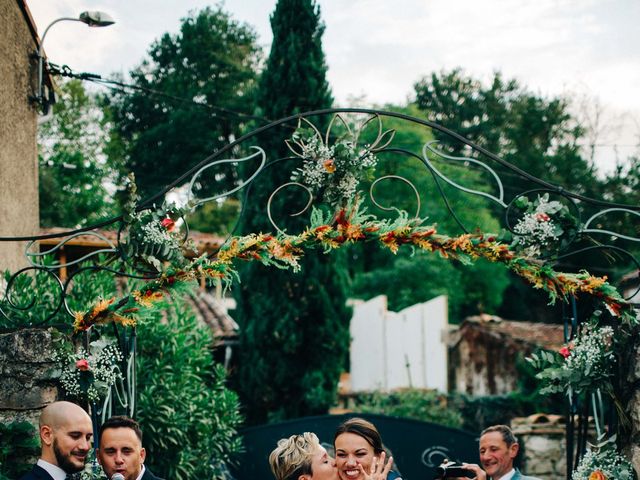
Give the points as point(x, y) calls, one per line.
point(484, 350)
point(18, 127)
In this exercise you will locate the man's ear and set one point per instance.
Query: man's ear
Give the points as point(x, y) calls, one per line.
point(306, 476)
point(513, 450)
point(143, 454)
point(98, 457)
point(46, 435)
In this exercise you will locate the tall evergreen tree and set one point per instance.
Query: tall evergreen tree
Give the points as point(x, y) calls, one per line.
point(190, 87)
point(295, 333)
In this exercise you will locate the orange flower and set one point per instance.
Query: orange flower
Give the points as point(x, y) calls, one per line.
point(565, 351)
point(597, 475)
point(329, 165)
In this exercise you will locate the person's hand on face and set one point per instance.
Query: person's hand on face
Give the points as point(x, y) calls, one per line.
point(378, 470)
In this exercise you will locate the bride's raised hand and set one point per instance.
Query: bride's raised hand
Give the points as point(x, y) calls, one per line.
point(379, 470)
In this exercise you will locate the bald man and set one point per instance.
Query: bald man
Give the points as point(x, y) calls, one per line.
point(65, 436)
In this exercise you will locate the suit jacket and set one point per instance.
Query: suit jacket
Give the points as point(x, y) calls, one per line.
point(519, 476)
point(148, 475)
point(37, 473)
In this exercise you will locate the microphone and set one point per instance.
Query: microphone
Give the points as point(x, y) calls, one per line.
point(117, 476)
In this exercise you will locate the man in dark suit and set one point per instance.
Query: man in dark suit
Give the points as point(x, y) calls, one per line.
point(65, 436)
point(121, 450)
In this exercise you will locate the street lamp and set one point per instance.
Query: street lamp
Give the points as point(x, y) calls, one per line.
point(92, 19)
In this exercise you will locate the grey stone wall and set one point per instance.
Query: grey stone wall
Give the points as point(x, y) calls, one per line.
point(18, 149)
point(26, 364)
point(632, 451)
point(544, 445)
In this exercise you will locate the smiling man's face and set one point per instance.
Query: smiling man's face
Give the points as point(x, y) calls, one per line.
point(496, 456)
point(71, 442)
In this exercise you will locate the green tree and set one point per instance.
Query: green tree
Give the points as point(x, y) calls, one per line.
point(294, 327)
point(201, 75)
point(534, 133)
point(72, 163)
point(408, 278)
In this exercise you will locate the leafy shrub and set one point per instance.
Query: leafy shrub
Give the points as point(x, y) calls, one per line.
point(419, 404)
point(18, 444)
point(188, 416)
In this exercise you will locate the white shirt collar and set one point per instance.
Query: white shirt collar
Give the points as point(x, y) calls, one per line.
point(55, 471)
point(508, 476)
point(141, 472)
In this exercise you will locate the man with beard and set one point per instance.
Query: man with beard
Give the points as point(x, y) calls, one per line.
point(65, 435)
point(121, 450)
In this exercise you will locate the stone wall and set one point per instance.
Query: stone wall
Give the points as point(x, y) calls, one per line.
point(26, 365)
point(632, 451)
point(543, 445)
point(18, 153)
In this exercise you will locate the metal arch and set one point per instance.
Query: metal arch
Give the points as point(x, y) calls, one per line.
point(499, 200)
point(586, 229)
point(381, 144)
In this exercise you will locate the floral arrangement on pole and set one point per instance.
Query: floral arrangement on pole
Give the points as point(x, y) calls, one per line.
point(544, 228)
point(150, 237)
point(586, 364)
point(88, 375)
point(603, 462)
point(332, 172)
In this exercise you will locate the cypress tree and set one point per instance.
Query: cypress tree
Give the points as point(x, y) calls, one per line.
point(294, 326)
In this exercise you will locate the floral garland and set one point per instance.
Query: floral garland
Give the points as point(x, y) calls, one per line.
point(348, 226)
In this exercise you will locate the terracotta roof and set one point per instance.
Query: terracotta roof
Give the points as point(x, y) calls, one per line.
point(548, 336)
point(631, 279)
point(205, 242)
point(210, 312)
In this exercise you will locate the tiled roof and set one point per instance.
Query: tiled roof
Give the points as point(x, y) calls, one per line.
point(548, 336)
point(205, 242)
point(210, 311)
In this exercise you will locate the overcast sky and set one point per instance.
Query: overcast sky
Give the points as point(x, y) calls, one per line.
point(379, 48)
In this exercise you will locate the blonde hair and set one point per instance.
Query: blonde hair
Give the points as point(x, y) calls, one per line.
point(293, 456)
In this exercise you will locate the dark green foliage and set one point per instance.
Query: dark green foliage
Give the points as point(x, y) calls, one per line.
point(212, 61)
point(42, 291)
point(294, 327)
point(188, 416)
point(18, 447)
point(72, 163)
point(534, 133)
point(424, 405)
point(294, 80)
point(409, 279)
point(214, 217)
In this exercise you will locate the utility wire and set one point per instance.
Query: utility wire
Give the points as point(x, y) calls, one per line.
point(65, 71)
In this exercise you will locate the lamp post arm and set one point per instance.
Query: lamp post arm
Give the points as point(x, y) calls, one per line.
point(41, 57)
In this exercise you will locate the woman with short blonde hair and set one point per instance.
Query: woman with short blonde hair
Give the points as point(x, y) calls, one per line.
point(301, 457)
